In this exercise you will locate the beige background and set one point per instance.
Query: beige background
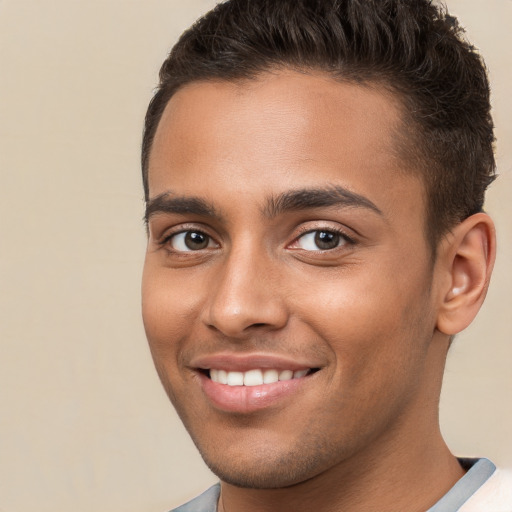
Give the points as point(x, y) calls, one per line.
point(84, 425)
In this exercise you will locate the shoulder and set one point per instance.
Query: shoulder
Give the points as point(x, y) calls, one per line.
point(494, 495)
point(206, 502)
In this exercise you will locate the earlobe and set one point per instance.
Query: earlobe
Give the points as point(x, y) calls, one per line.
point(467, 255)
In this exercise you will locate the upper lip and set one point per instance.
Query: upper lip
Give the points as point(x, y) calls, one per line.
point(245, 362)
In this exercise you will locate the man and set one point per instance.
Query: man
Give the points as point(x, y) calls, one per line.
point(314, 173)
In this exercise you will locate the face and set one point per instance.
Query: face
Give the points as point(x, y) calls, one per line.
point(287, 289)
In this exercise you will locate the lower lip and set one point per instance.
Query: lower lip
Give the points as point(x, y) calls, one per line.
point(246, 399)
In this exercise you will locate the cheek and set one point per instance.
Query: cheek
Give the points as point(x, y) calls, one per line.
point(165, 324)
point(369, 319)
point(378, 341)
point(164, 312)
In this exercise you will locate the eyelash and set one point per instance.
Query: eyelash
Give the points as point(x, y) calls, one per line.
point(344, 239)
point(167, 240)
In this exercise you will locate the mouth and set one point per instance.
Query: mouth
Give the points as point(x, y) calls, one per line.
point(255, 377)
point(244, 388)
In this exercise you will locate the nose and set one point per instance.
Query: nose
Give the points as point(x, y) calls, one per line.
point(246, 296)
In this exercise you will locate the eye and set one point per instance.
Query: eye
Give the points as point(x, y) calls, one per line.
point(320, 240)
point(187, 241)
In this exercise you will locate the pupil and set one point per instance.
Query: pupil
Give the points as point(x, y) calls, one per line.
point(195, 241)
point(327, 240)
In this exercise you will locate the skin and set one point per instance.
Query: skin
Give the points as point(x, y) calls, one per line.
point(373, 314)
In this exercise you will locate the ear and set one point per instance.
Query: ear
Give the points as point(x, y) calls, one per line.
point(466, 257)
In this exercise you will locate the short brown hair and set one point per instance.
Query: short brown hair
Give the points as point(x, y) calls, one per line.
point(412, 47)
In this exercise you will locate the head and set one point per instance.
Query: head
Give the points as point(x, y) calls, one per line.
point(314, 174)
point(412, 48)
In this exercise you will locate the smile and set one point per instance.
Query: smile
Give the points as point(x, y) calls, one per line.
point(247, 391)
point(255, 377)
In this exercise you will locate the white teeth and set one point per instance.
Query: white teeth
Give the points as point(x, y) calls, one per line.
point(222, 376)
point(270, 376)
point(286, 375)
point(253, 378)
point(235, 379)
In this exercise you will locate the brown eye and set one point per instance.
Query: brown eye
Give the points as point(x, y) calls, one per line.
point(190, 241)
point(321, 240)
point(327, 240)
point(195, 241)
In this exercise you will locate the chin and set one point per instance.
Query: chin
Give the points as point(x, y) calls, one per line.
point(259, 476)
point(266, 469)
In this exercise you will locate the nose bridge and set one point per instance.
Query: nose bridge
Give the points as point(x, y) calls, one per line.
point(245, 293)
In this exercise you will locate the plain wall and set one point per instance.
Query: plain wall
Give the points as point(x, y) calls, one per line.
point(84, 424)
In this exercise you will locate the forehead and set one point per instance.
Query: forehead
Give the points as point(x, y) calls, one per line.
point(279, 131)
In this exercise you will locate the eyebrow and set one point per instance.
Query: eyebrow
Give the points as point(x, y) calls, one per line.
point(167, 203)
point(304, 199)
point(293, 200)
